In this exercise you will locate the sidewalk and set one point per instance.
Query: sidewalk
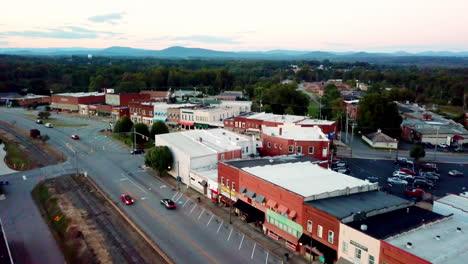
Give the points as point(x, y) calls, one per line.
point(275, 247)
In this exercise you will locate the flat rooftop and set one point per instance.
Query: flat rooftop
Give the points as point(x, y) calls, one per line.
point(209, 173)
point(295, 132)
point(347, 206)
point(395, 222)
point(80, 94)
point(309, 180)
point(455, 201)
point(451, 247)
point(167, 106)
point(269, 117)
point(247, 163)
point(315, 122)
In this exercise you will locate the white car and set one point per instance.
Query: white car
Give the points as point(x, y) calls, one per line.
point(49, 125)
point(395, 180)
point(401, 175)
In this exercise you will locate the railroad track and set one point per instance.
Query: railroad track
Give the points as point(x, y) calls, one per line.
point(113, 235)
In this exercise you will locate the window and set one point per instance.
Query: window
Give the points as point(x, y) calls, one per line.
point(222, 156)
point(243, 125)
point(345, 247)
point(291, 149)
point(309, 226)
point(144, 112)
point(281, 146)
point(371, 259)
point(311, 150)
point(222, 180)
point(227, 183)
point(233, 186)
point(276, 145)
point(319, 231)
point(237, 124)
point(331, 236)
point(299, 149)
point(150, 112)
point(246, 149)
point(357, 253)
point(269, 144)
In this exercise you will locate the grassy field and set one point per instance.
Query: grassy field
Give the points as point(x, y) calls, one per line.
point(128, 140)
point(53, 122)
point(14, 158)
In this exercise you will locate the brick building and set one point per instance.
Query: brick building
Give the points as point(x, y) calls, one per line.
point(25, 101)
point(291, 139)
point(71, 101)
point(156, 95)
point(141, 112)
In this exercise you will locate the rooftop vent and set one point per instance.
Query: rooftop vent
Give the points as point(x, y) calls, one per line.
point(224, 133)
point(271, 160)
point(364, 227)
point(437, 237)
point(409, 245)
point(459, 229)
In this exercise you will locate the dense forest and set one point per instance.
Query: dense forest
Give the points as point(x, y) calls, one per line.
point(259, 79)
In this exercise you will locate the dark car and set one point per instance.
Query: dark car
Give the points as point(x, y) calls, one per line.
point(168, 203)
point(339, 164)
point(137, 151)
point(343, 170)
point(430, 176)
point(403, 162)
point(428, 167)
point(420, 183)
point(127, 199)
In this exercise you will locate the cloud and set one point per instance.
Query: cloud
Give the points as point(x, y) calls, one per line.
point(207, 39)
point(69, 32)
point(112, 18)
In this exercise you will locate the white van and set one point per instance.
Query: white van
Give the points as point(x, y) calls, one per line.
point(49, 125)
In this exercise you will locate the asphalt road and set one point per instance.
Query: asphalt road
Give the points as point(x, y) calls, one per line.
point(187, 235)
point(376, 170)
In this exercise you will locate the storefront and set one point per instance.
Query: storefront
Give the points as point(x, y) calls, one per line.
point(201, 126)
point(280, 226)
point(319, 252)
point(186, 124)
point(249, 213)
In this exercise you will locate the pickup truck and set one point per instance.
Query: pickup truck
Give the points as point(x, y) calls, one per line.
point(415, 193)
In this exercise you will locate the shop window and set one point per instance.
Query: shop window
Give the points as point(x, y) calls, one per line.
point(227, 183)
point(237, 124)
point(371, 259)
point(345, 247)
point(281, 146)
point(233, 186)
point(291, 149)
point(311, 150)
point(222, 180)
point(309, 226)
point(243, 125)
point(269, 145)
point(246, 149)
point(222, 156)
point(331, 236)
point(319, 231)
point(357, 253)
point(276, 145)
point(299, 150)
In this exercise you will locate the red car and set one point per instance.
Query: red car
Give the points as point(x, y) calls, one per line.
point(416, 193)
point(126, 199)
point(75, 137)
point(407, 171)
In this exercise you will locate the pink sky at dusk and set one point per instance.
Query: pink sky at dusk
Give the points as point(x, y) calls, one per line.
point(336, 25)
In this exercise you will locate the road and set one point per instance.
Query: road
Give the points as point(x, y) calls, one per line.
point(187, 235)
point(312, 96)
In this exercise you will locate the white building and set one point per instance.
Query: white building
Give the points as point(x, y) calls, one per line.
point(201, 149)
point(452, 204)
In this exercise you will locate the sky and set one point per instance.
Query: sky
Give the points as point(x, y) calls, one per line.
point(240, 25)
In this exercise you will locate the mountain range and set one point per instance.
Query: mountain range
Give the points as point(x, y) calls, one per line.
point(199, 53)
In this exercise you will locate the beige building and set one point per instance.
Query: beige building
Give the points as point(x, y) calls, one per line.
point(357, 247)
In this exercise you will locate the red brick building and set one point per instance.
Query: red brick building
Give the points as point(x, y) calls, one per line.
point(294, 139)
point(156, 95)
point(71, 101)
point(141, 112)
point(27, 100)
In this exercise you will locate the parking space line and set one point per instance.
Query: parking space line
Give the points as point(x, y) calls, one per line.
point(138, 186)
point(181, 194)
point(191, 211)
point(253, 251)
point(229, 235)
point(185, 203)
point(266, 260)
point(210, 220)
point(220, 226)
point(172, 198)
point(201, 214)
point(240, 245)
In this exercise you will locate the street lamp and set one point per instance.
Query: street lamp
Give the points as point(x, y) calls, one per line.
point(396, 153)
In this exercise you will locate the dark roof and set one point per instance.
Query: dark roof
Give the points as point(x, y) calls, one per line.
point(395, 222)
point(248, 163)
point(379, 137)
point(344, 206)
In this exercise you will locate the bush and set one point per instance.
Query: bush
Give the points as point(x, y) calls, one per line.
point(417, 152)
point(158, 128)
point(43, 115)
point(159, 158)
point(141, 129)
point(124, 124)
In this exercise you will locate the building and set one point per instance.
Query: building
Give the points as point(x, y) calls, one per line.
point(71, 101)
point(452, 204)
point(291, 139)
point(156, 95)
point(275, 192)
point(380, 140)
point(122, 100)
point(230, 95)
point(352, 109)
point(202, 149)
point(141, 112)
point(25, 101)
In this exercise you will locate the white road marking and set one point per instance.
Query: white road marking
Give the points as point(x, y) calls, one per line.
point(24, 177)
point(253, 251)
point(144, 198)
point(210, 220)
point(193, 208)
point(266, 260)
point(138, 186)
point(185, 203)
point(240, 245)
point(172, 198)
point(181, 194)
point(229, 235)
point(201, 214)
point(220, 226)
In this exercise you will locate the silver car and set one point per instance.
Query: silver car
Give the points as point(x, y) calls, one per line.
point(396, 180)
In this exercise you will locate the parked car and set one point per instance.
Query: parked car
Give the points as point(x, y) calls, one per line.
point(38, 121)
point(407, 171)
point(458, 149)
point(127, 199)
point(455, 173)
point(428, 167)
point(396, 180)
point(442, 145)
point(137, 151)
point(428, 145)
point(49, 125)
point(168, 203)
point(423, 183)
point(75, 137)
point(430, 176)
point(403, 162)
point(415, 193)
point(342, 170)
point(34, 133)
point(402, 175)
point(339, 164)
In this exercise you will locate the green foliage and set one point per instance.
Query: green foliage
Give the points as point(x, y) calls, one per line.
point(289, 111)
point(313, 110)
point(378, 112)
point(159, 158)
point(279, 97)
point(159, 127)
point(43, 115)
point(417, 151)
point(141, 128)
point(124, 124)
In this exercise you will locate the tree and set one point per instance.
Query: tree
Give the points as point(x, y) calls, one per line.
point(417, 152)
point(159, 127)
point(43, 115)
point(159, 158)
point(124, 124)
point(289, 111)
point(141, 129)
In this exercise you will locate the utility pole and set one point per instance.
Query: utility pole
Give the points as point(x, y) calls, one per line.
point(230, 206)
point(178, 177)
point(437, 143)
point(320, 108)
point(352, 138)
point(346, 128)
point(134, 137)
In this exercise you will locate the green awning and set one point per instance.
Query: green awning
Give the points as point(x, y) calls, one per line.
point(284, 223)
point(198, 125)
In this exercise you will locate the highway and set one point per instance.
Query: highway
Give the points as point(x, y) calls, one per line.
point(187, 235)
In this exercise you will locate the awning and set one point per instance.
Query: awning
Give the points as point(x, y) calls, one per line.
point(270, 203)
point(250, 194)
point(253, 213)
point(260, 198)
point(159, 118)
point(186, 123)
point(203, 183)
point(458, 137)
point(292, 214)
point(198, 125)
point(227, 201)
point(243, 189)
point(282, 209)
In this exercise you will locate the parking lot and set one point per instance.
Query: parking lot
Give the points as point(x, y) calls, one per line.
point(379, 170)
